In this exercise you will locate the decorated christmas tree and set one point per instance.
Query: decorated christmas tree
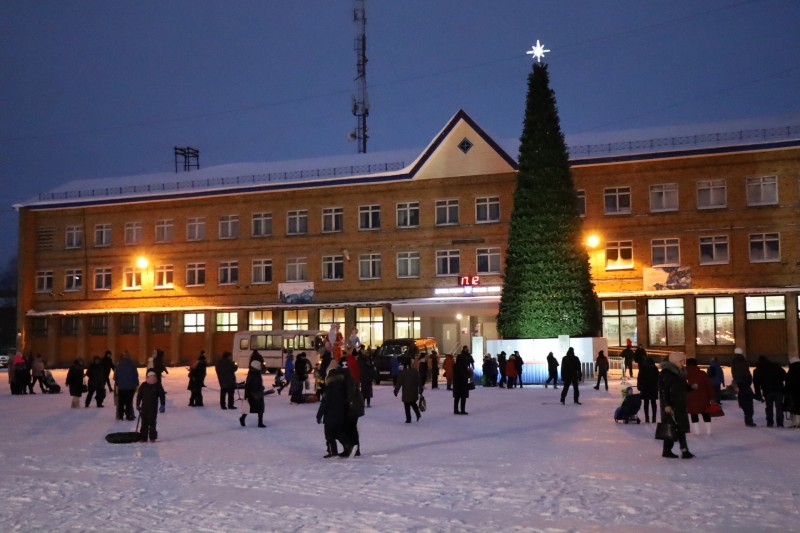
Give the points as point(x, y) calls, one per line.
point(547, 290)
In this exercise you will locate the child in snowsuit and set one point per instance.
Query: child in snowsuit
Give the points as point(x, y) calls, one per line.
point(150, 394)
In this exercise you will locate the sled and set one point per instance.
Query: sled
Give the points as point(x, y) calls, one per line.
point(125, 437)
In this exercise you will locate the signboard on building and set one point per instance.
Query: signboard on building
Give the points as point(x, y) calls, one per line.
point(667, 278)
point(296, 293)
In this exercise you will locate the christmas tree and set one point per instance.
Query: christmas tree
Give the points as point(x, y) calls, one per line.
point(547, 290)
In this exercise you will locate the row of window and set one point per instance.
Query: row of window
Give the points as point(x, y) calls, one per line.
point(714, 250)
point(407, 215)
point(711, 194)
point(714, 318)
point(448, 263)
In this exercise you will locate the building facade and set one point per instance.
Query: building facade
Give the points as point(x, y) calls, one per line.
point(694, 250)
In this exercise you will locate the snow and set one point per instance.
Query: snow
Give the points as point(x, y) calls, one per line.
point(519, 462)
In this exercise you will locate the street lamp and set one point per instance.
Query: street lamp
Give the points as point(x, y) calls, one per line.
point(142, 262)
point(593, 240)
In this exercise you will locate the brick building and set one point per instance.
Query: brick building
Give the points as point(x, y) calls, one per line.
point(696, 249)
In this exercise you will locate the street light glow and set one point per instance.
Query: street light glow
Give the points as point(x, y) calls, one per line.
point(142, 262)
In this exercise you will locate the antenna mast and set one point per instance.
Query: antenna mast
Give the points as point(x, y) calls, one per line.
point(360, 100)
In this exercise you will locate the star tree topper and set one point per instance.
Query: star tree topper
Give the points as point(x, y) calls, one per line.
point(537, 51)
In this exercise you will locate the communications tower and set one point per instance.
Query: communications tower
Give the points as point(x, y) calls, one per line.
point(360, 100)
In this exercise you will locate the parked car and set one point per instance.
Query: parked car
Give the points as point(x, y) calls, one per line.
point(5, 356)
point(401, 348)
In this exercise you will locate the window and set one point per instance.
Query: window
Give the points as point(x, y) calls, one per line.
point(488, 260)
point(765, 247)
point(330, 316)
point(73, 279)
point(666, 252)
point(369, 266)
point(714, 320)
point(332, 219)
point(446, 212)
point(487, 209)
point(406, 327)
point(619, 321)
point(332, 267)
point(259, 320)
point(369, 217)
point(714, 250)
point(164, 276)
point(762, 191)
point(296, 269)
point(665, 322)
point(102, 279)
point(617, 200)
point(133, 233)
point(39, 326)
point(129, 324)
point(580, 200)
point(711, 194)
point(619, 255)
point(262, 225)
point(194, 322)
point(164, 230)
point(664, 197)
point(74, 237)
point(295, 319)
point(369, 322)
point(408, 215)
point(228, 226)
point(408, 265)
point(69, 326)
point(131, 279)
point(297, 222)
point(227, 321)
point(447, 263)
point(196, 229)
point(228, 272)
point(98, 325)
point(161, 322)
point(102, 235)
point(765, 307)
point(195, 274)
point(262, 271)
point(44, 281)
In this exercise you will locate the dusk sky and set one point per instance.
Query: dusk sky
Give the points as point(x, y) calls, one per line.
point(93, 89)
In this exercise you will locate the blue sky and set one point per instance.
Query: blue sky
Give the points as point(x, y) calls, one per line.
point(93, 89)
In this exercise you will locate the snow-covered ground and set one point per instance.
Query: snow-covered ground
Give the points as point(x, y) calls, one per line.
point(519, 462)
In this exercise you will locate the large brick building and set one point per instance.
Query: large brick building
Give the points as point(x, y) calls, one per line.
point(695, 249)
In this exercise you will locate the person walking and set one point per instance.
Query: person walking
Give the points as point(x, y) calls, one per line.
point(254, 394)
point(367, 372)
point(647, 383)
point(743, 379)
point(197, 379)
point(627, 359)
point(673, 389)
point(75, 382)
point(410, 384)
point(502, 361)
point(108, 367)
point(333, 411)
point(699, 397)
point(226, 375)
point(95, 379)
point(461, 374)
point(768, 381)
point(434, 369)
point(151, 394)
point(422, 368)
point(570, 375)
point(126, 379)
point(518, 366)
point(552, 370)
point(158, 364)
point(448, 364)
point(394, 368)
point(602, 369)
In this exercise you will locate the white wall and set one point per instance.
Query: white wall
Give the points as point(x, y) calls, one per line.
point(536, 350)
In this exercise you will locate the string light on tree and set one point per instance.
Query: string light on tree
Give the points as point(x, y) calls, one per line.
point(537, 51)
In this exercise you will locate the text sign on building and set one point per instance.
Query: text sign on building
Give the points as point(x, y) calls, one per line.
point(469, 281)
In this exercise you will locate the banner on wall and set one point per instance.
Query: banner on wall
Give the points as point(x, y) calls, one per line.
point(296, 293)
point(667, 278)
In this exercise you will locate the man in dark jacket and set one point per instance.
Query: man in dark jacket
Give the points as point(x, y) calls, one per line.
point(768, 379)
point(673, 390)
point(409, 383)
point(151, 394)
point(501, 366)
point(96, 382)
point(518, 362)
point(647, 383)
point(570, 375)
point(552, 370)
point(602, 369)
point(108, 366)
point(126, 378)
point(461, 375)
point(197, 379)
point(226, 375)
point(627, 359)
point(333, 411)
point(743, 379)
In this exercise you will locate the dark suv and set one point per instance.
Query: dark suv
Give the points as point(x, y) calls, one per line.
point(401, 348)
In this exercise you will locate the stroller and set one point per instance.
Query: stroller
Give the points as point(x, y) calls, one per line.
point(628, 412)
point(50, 385)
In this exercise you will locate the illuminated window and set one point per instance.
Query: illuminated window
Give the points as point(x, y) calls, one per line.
point(227, 321)
point(129, 324)
point(619, 255)
point(487, 209)
point(333, 315)
point(714, 320)
point(332, 219)
point(617, 200)
point(44, 281)
point(665, 322)
point(664, 197)
point(194, 322)
point(195, 274)
point(369, 266)
point(765, 307)
point(196, 229)
point(580, 200)
point(762, 191)
point(369, 217)
point(161, 322)
point(164, 276)
point(297, 222)
point(295, 319)
point(665, 252)
point(296, 269)
point(262, 225)
point(74, 237)
point(408, 215)
point(262, 271)
point(98, 325)
point(369, 322)
point(406, 327)
point(131, 279)
point(259, 320)
point(102, 235)
point(714, 250)
point(228, 226)
point(69, 326)
point(332, 267)
point(133, 233)
point(619, 321)
point(765, 247)
point(228, 272)
point(102, 279)
point(446, 212)
point(73, 279)
point(711, 194)
point(488, 260)
point(408, 265)
point(164, 230)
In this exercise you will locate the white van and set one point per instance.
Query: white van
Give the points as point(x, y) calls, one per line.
point(274, 344)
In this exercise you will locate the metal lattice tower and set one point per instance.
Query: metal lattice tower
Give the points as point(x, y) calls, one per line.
point(360, 100)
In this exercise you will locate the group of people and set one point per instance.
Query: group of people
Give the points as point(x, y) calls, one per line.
point(509, 368)
point(25, 372)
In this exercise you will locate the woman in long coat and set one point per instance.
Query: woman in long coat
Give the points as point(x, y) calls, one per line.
point(367, 368)
point(254, 393)
point(673, 390)
point(409, 382)
point(700, 396)
point(75, 382)
point(647, 383)
point(461, 383)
